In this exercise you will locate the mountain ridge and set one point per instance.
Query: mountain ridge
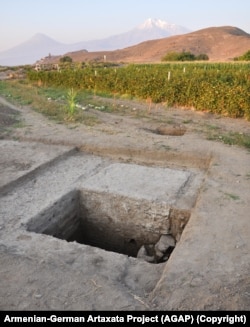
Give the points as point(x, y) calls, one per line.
point(29, 51)
point(40, 45)
point(155, 29)
point(219, 43)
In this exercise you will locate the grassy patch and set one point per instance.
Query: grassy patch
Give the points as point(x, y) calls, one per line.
point(230, 138)
point(165, 147)
point(187, 121)
point(212, 127)
point(222, 89)
point(232, 196)
point(52, 102)
point(19, 124)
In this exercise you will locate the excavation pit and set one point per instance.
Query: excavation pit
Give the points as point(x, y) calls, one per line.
point(109, 221)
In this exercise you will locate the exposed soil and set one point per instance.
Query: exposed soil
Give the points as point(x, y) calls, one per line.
point(171, 137)
point(133, 119)
point(8, 118)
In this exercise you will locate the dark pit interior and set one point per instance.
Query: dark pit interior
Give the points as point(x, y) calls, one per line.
point(110, 222)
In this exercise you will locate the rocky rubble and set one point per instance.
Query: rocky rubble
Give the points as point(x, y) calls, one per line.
point(159, 252)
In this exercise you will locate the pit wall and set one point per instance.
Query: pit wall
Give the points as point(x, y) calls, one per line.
point(60, 220)
point(109, 221)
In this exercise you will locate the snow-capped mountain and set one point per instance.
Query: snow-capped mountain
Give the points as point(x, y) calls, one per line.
point(158, 24)
point(151, 29)
point(41, 45)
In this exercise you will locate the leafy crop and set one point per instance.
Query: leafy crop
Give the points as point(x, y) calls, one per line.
point(219, 88)
point(71, 99)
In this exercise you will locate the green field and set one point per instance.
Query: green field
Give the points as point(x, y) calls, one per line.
point(221, 88)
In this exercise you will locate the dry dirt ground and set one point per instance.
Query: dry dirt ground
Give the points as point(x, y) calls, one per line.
point(209, 269)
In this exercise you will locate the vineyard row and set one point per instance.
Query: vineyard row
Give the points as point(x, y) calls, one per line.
point(219, 88)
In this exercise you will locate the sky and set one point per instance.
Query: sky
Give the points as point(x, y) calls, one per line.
point(71, 21)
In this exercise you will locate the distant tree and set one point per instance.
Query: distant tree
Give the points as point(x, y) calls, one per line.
point(171, 56)
point(66, 59)
point(186, 56)
point(202, 56)
point(183, 56)
point(245, 56)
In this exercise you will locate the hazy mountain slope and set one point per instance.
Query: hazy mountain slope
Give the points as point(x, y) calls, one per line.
point(151, 29)
point(28, 52)
point(41, 45)
point(220, 43)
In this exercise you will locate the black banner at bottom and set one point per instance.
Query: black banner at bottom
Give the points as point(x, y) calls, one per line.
point(160, 317)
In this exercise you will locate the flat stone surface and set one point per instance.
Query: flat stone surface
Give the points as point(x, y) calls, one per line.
point(140, 182)
point(40, 191)
point(20, 158)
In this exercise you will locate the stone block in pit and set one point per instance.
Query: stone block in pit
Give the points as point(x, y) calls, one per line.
point(139, 182)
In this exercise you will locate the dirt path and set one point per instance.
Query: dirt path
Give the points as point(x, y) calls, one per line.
point(132, 132)
point(210, 268)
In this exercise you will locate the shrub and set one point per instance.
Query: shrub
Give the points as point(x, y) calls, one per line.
point(202, 56)
point(184, 56)
point(66, 59)
point(244, 57)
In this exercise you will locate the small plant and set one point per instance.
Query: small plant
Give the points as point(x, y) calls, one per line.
point(212, 127)
point(187, 121)
point(71, 99)
point(232, 196)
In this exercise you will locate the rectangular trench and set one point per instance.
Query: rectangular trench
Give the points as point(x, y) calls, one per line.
point(109, 221)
